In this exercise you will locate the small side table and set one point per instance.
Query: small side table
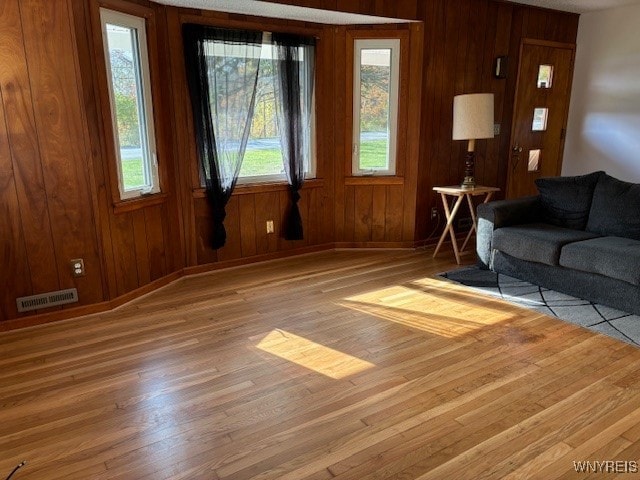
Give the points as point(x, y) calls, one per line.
point(461, 193)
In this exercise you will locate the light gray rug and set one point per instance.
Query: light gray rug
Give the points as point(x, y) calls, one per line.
point(607, 320)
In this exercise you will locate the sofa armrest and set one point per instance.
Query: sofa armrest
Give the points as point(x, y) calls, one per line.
point(503, 213)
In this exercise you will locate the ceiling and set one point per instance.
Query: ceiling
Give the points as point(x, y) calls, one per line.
point(276, 10)
point(292, 12)
point(579, 6)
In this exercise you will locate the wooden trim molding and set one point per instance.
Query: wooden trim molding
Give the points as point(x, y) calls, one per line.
point(74, 312)
point(373, 180)
point(139, 203)
point(253, 188)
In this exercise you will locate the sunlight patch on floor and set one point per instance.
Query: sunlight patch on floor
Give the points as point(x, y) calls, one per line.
point(432, 306)
point(311, 355)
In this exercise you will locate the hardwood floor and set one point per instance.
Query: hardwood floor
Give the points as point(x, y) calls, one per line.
point(348, 365)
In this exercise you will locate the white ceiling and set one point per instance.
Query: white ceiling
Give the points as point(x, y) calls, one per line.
point(578, 6)
point(292, 12)
point(276, 10)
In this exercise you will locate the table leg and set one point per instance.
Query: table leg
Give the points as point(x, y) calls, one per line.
point(450, 216)
point(473, 223)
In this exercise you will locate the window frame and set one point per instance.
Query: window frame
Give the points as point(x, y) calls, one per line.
point(139, 23)
point(311, 172)
point(395, 45)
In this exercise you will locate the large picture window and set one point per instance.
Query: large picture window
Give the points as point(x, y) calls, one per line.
point(263, 159)
point(228, 73)
point(126, 58)
point(375, 106)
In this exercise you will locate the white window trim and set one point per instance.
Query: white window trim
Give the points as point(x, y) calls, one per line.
point(138, 23)
point(394, 88)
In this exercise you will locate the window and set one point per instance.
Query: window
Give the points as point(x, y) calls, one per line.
point(545, 76)
point(534, 161)
point(263, 161)
point(375, 106)
point(126, 59)
point(540, 116)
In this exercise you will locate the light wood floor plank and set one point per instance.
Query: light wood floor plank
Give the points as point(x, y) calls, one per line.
point(350, 365)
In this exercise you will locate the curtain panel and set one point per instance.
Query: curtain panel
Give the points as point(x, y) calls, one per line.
point(294, 67)
point(222, 69)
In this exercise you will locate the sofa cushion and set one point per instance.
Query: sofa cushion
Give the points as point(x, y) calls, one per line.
point(536, 242)
point(566, 201)
point(614, 257)
point(615, 209)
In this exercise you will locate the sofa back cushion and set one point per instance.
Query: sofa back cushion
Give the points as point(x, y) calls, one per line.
point(615, 209)
point(566, 201)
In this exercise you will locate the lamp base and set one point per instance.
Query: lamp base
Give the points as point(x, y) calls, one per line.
point(468, 182)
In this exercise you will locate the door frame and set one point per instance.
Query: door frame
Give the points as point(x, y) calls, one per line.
point(540, 43)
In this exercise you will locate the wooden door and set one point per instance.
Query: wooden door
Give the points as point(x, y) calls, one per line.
point(540, 114)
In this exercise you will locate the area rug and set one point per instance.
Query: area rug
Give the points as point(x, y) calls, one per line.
point(600, 318)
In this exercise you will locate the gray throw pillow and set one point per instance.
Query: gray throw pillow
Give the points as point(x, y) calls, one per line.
point(566, 201)
point(615, 209)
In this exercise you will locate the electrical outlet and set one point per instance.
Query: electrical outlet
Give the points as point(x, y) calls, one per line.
point(496, 129)
point(270, 226)
point(77, 267)
point(434, 212)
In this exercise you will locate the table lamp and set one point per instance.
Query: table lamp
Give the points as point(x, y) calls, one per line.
point(472, 120)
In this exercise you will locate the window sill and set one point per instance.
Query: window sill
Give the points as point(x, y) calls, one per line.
point(374, 180)
point(123, 206)
point(253, 188)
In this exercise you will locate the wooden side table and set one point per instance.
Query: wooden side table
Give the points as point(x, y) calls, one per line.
point(461, 193)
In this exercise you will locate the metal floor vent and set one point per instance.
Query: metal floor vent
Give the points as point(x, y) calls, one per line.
point(45, 300)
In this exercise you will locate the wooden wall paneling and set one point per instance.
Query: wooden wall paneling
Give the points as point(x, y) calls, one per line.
point(414, 130)
point(124, 252)
point(393, 213)
point(13, 254)
point(349, 213)
point(247, 217)
point(342, 144)
point(314, 217)
point(171, 219)
point(62, 137)
point(184, 146)
point(460, 46)
point(495, 163)
point(304, 206)
point(265, 210)
point(159, 242)
point(25, 151)
point(363, 213)
point(283, 205)
point(232, 249)
point(202, 235)
point(87, 66)
point(474, 73)
point(143, 265)
point(378, 212)
point(433, 15)
point(403, 105)
point(325, 136)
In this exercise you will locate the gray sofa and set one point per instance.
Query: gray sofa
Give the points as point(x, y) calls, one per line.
point(580, 236)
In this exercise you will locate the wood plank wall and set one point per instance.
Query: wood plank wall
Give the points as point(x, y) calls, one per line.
point(142, 239)
point(463, 40)
point(46, 189)
point(57, 186)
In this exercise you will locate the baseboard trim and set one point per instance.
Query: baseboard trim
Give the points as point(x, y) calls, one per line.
point(83, 310)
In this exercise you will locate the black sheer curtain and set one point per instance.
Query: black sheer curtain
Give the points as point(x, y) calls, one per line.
point(222, 72)
point(294, 67)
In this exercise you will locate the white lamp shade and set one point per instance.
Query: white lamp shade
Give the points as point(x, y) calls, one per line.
point(473, 116)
